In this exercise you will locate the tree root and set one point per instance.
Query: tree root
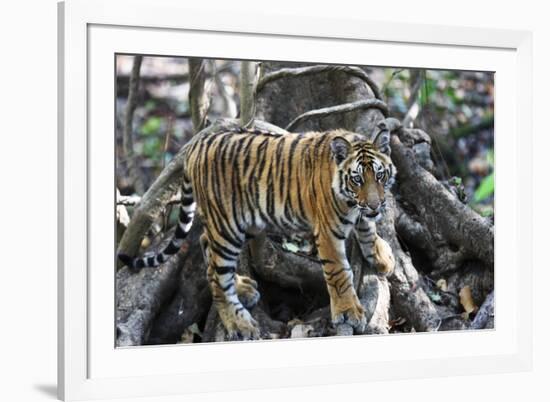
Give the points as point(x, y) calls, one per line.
point(139, 297)
point(439, 209)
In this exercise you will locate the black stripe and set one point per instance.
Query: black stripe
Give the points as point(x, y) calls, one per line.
point(234, 241)
point(337, 235)
point(171, 249)
point(224, 269)
point(279, 166)
point(224, 223)
point(248, 179)
point(235, 156)
point(225, 289)
point(186, 201)
point(222, 250)
point(151, 261)
point(221, 224)
point(184, 218)
point(342, 291)
point(261, 153)
point(270, 198)
point(246, 152)
point(219, 171)
point(235, 194)
point(288, 180)
point(320, 142)
point(330, 275)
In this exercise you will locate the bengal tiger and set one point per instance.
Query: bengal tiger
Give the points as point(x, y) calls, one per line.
point(241, 181)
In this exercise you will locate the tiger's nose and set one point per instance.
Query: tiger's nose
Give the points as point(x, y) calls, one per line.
point(374, 205)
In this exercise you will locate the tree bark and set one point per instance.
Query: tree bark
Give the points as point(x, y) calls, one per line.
point(247, 90)
point(198, 101)
point(190, 302)
point(441, 212)
point(128, 129)
point(139, 297)
point(485, 316)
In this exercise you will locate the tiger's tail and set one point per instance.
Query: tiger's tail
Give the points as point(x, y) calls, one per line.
point(187, 212)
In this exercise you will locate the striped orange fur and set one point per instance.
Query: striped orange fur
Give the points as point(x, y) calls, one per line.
point(242, 181)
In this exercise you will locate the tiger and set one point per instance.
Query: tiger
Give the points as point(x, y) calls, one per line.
point(242, 181)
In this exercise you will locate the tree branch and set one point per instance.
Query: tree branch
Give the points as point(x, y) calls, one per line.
point(345, 108)
point(134, 200)
point(198, 103)
point(247, 91)
point(413, 108)
point(310, 70)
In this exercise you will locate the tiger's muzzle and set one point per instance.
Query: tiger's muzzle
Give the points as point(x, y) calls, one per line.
point(368, 211)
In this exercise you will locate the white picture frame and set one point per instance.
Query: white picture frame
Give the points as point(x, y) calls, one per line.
point(89, 365)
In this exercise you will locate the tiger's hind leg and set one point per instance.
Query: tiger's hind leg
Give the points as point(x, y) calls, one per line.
point(246, 287)
point(224, 284)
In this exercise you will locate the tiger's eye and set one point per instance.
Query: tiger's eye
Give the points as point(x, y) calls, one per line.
point(356, 180)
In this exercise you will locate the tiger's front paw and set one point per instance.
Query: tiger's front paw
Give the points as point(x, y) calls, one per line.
point(351, 312)
point(247, 291)
point(384, 261)
point(241, 326)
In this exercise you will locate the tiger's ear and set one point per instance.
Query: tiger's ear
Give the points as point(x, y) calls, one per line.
point(382, 142)
point(340, 148)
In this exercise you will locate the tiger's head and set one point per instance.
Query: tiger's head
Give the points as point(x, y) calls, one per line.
point(363, 173)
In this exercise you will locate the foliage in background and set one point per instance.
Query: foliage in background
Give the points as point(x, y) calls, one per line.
point(454, 107)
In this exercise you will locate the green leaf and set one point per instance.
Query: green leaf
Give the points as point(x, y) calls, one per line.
point(151, 125)
point(455, 181)
point(486, 188)
point(427, 90)
point(491, 157)
point(487, 212)
point(151, 147)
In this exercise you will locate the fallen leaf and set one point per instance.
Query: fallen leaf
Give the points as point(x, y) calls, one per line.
point(467, 301)
point(442, 284)
point(146, 242)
